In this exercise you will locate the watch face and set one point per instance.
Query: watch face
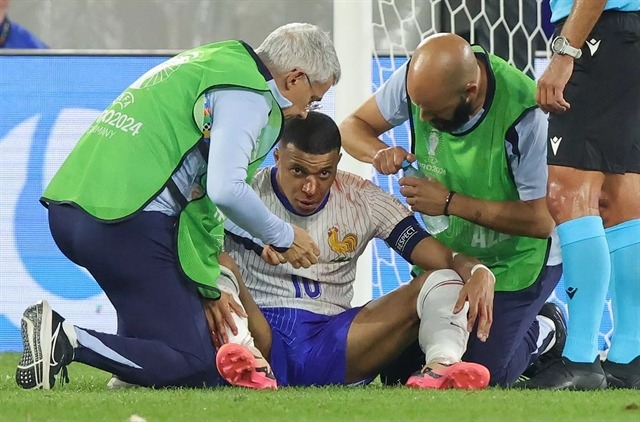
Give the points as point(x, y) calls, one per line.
point(558, 44)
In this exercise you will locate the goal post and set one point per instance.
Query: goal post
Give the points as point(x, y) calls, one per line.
point(353, 39)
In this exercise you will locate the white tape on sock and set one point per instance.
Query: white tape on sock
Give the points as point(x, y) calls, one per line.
point(442, 334)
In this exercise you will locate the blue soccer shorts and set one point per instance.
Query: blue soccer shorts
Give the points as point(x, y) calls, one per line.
point(309, 348)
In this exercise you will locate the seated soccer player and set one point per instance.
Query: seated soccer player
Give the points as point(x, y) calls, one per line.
point(307, 327)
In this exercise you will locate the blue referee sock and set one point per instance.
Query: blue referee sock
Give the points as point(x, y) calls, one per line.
point(587, 268)
point(624, 246)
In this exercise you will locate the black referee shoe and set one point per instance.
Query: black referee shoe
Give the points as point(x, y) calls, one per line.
point(623, 375)
point(567, 375)
point(46, 349)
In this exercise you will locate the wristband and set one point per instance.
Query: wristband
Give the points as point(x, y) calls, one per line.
point(447, 202)
point(478, 266)
point(280, 249)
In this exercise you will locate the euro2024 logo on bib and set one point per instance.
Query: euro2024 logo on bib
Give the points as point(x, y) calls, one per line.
point(432, 142)
point(430, 167)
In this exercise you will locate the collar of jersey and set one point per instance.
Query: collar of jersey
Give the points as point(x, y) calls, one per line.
point(285, 202)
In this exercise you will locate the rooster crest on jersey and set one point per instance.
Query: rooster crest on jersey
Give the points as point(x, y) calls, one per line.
point(342, 247)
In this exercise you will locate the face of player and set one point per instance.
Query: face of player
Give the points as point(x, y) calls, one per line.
point(305, 95)
point(305, 179)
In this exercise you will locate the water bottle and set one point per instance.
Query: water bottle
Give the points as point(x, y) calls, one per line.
point(434, 223)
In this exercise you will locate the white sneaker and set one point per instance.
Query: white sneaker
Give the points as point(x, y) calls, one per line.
point(116, 383)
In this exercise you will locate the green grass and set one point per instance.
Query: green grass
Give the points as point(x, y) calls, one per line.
point(87, 398)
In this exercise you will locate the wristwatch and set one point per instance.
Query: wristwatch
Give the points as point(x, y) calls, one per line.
point(560, 45)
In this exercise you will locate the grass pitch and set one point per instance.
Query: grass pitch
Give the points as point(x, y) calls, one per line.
point(87, 398)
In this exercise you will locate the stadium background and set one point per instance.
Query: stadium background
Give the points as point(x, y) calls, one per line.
point(46, 102)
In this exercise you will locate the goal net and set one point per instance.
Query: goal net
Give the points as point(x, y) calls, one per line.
point(517, 30)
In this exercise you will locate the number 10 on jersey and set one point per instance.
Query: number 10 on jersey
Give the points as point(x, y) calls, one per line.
point(311, 287)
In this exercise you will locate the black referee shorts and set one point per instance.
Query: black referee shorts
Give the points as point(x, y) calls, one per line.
point(601, 130)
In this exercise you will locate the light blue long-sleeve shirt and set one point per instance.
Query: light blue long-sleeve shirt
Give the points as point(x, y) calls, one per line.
point(239, 116)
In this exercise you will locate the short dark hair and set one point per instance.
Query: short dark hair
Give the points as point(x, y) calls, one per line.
point(317, 134)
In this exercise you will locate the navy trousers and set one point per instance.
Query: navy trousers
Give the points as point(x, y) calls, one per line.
point(512, 343)
point(163, 338)
point(514, 333)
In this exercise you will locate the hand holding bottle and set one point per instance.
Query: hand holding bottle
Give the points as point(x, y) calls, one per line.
point(390, 160)
point(426, 196)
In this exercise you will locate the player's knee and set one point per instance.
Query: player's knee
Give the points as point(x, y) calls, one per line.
point(618, 205)
point(569, 198)
point(429, 293)
point(607, 213)
point(555, 200)
point(433, 276)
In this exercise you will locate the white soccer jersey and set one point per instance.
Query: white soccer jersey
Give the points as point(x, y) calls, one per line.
point(356, 212)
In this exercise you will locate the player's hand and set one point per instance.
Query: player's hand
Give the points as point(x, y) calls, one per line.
point(478, 291)
point(304, 251)
point(271, 257)
point(550, 93)
point(218, 314)
point(389, 160)
point(424, 195)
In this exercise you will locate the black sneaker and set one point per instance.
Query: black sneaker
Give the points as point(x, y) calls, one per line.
point(554, 313)
point(564, 374)
point(623, 375)
point(46, 350)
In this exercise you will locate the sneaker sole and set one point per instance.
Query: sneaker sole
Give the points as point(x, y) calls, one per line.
point(467, 376)
point(236, 364)
point(614, 382)
point(419, 383)
point(41, 341)
point(460, 376)
point(568, 387)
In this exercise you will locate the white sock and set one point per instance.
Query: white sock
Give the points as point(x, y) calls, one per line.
point(546, 327)
point(227, 283)
point(443, 335)
point(70, 331)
